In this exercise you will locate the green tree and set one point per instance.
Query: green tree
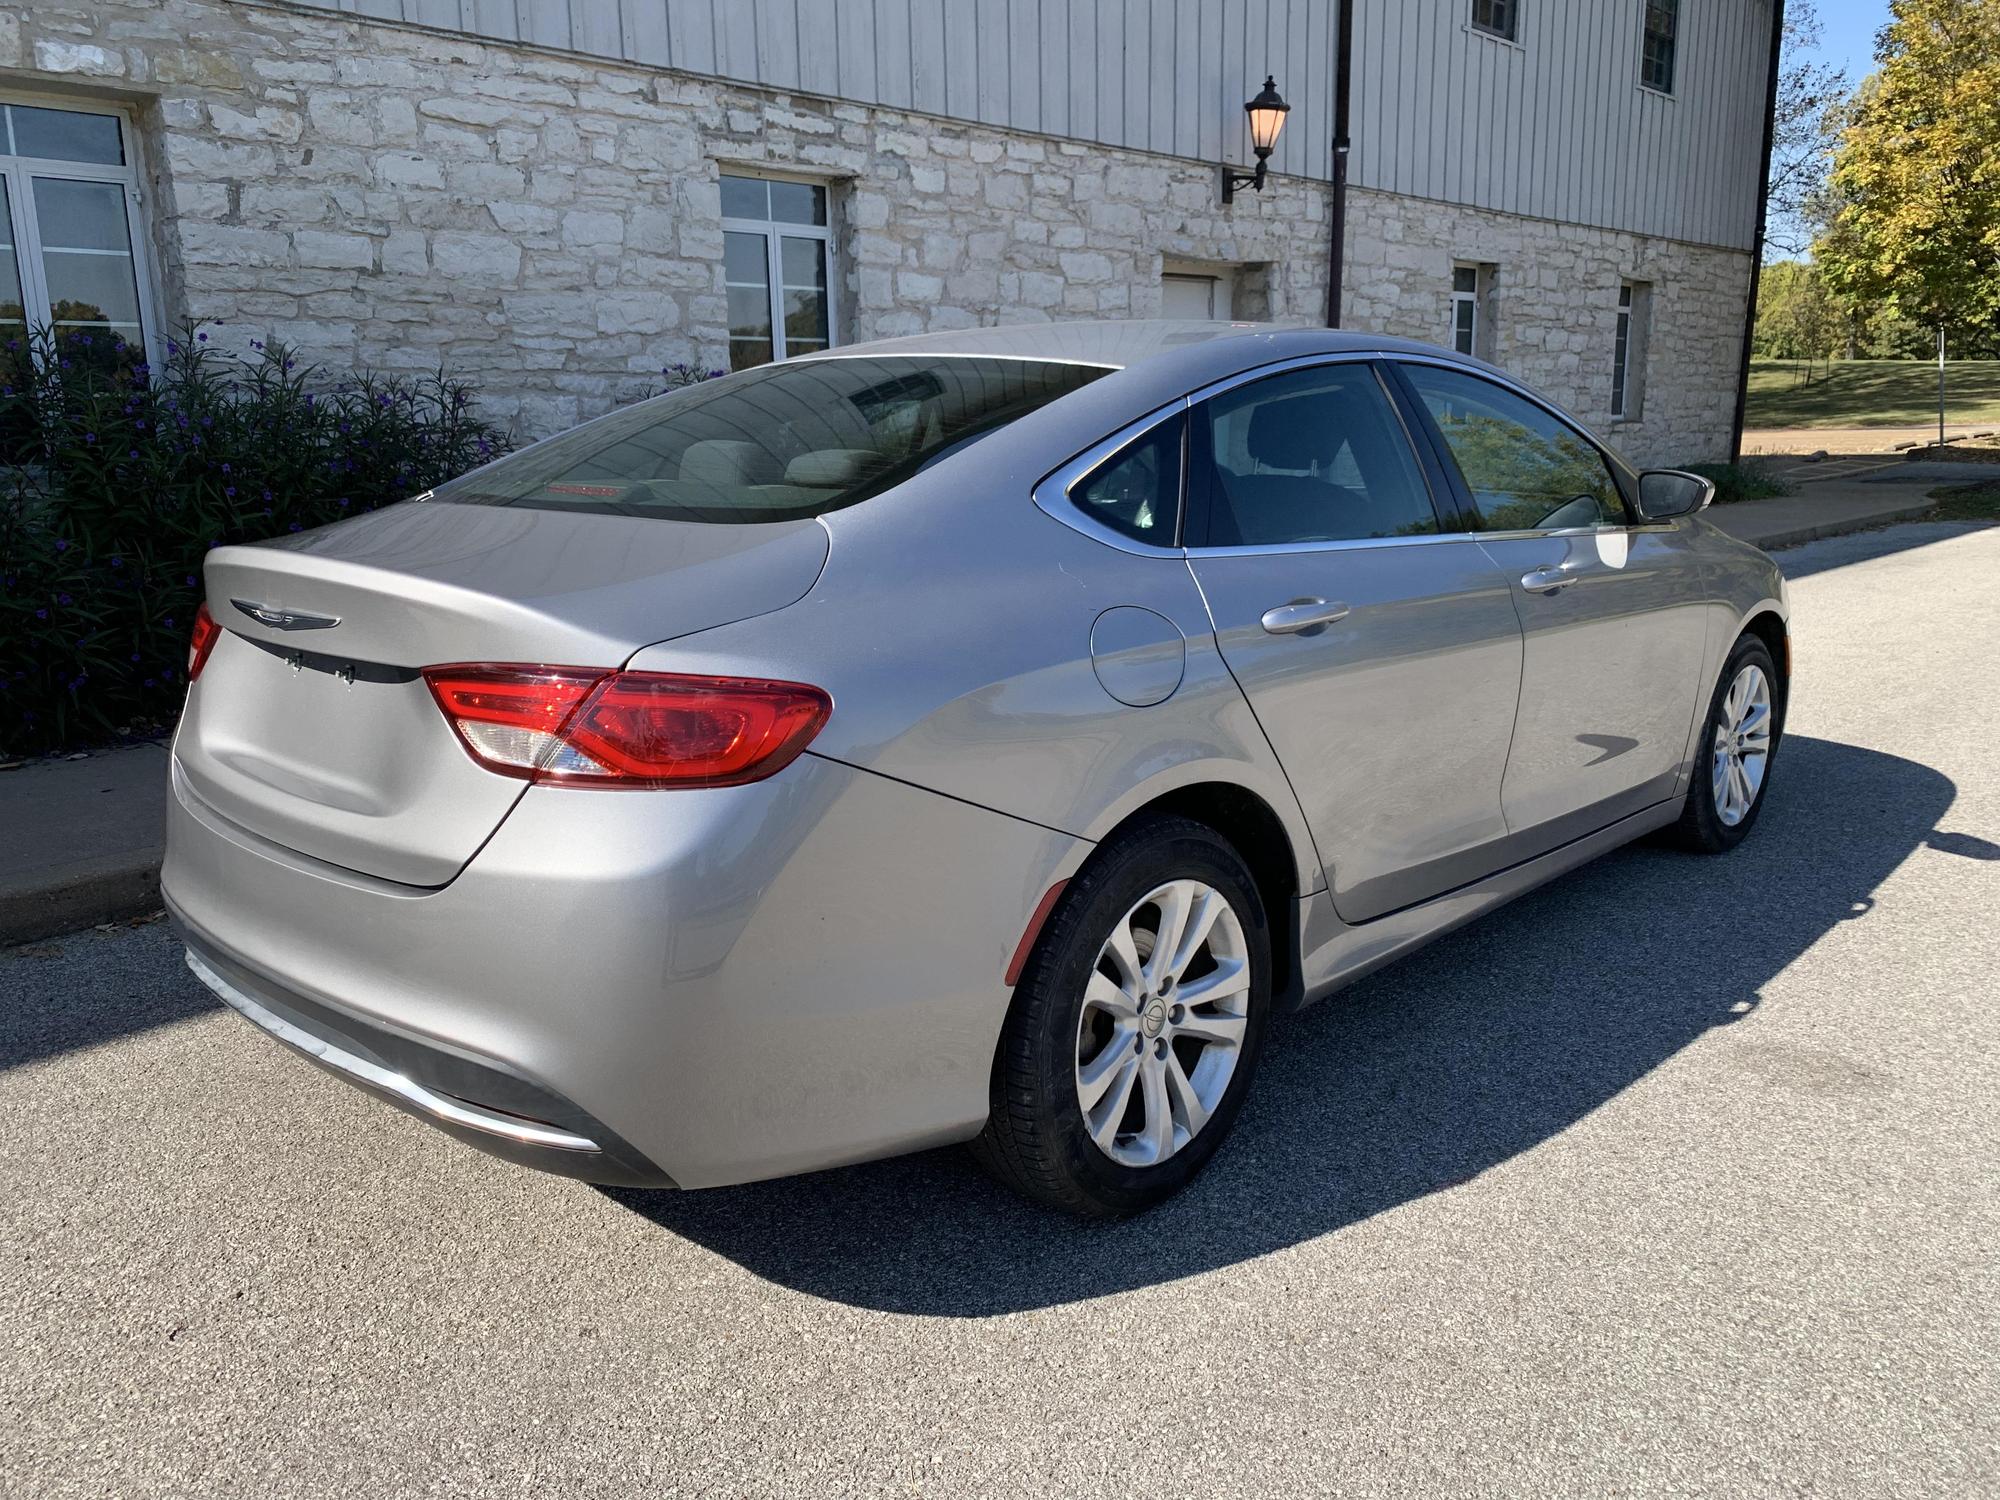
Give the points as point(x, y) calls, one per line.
point(1796, 316)
point(1914, 226)
point(1804, 127)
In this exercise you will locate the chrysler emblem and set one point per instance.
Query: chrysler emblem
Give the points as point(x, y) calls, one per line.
point(285, 619)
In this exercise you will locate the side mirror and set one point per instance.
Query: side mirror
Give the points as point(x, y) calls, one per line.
point(1666, 493)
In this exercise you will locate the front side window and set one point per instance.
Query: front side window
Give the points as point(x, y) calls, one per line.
point(1525, 469)
point(1656, 58)
point(776, 444)
point(777, 249)
point(69, 259)
point(1494, 16)
point(1313, 455)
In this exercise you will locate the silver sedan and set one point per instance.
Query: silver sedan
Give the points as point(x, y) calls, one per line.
point(973, 737)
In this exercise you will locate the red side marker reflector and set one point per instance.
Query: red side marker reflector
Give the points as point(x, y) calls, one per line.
point(1042, 909)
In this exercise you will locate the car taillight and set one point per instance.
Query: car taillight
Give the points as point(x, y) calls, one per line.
point(202, 641)
point(580, 726)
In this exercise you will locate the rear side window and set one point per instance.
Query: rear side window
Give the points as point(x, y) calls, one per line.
point(1525, 469)
point(779, 443)
point(1314, 455)
point(1137, 491)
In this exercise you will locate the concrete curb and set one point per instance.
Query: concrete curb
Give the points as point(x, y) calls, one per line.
point(116, 890)
point(1799, 535)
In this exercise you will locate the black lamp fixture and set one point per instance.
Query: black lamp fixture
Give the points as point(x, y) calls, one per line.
point(1267, 117)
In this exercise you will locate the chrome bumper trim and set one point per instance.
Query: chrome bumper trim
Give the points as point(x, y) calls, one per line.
point(438, 1106)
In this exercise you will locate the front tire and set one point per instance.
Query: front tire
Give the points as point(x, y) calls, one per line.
point(1733, 758)
point(1136, 1025)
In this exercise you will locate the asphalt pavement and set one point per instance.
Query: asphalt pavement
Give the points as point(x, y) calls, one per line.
point(1676, 1177)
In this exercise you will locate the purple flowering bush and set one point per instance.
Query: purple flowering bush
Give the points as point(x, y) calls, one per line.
point(116, 479)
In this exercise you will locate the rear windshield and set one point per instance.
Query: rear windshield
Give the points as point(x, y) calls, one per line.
point(773, 444)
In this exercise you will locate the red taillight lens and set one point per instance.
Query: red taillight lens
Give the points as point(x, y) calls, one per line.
point(202, 641)
point(582, 727)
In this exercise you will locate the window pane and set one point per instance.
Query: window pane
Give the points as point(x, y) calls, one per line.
point(745, 198)
point(743, 260)
point(13, 321)
point(1464, 326)
point(1526, 470)
point(1138, 490)
point(87, 253)
point(748, 274)
point(798, 202)
point(1465, 279)
point(67, 135)
point(1313, 456)
point(779, 443)
point(804, 263)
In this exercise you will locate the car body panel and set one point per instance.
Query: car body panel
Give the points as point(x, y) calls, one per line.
point(1411, 696)
point(710, 973)
point(1609, 673)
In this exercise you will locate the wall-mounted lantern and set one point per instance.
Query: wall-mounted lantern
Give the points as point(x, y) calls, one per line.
point(1267, 117)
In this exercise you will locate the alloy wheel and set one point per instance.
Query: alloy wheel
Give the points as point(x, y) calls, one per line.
point(1163, 1022)
point(1742, 749)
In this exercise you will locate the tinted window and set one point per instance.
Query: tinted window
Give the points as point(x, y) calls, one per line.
point(1137, 490)
point(1315, 455)
point(773, 444)
point(1525, 470)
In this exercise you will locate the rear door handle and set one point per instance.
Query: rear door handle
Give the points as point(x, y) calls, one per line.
point(1548, 580)
point(1302, 614)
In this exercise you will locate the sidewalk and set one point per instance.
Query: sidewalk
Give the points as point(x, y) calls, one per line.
point(80, 840)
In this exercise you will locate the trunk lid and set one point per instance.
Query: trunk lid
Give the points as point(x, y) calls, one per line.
point(325, 738)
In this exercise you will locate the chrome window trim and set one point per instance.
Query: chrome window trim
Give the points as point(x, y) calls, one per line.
point(1052, 496)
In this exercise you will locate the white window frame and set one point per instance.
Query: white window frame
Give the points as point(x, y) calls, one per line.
point(1621, 353)
point(774, 230)
point(1471, 298)
point(1671, 87)
point(19, 172)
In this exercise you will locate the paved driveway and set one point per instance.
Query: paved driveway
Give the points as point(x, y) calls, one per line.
point(1676, 1177)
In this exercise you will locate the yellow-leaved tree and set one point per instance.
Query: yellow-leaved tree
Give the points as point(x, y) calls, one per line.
point(1915, 223)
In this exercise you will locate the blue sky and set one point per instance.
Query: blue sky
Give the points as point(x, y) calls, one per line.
point(1848, 30)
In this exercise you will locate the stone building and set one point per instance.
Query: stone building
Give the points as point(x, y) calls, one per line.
point(557, 198)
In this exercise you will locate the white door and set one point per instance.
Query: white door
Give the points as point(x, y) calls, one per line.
point(1189, 297)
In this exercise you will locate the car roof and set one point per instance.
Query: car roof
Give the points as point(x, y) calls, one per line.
point(1175, 348)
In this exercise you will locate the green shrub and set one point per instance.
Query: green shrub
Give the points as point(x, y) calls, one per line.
point(1741, 481)
point(115, 480)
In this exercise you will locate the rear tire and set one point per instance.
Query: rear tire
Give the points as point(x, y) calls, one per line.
point(1161, 1046)
point(1733, 757)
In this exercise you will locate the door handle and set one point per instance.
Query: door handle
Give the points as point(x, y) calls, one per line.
point(1548, 580)
point(1302, 614)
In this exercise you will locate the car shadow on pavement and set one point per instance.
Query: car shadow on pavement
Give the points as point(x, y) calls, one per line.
point(1419, 1078)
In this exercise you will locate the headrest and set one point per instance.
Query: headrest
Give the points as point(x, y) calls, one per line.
point(728, 464)
point(1292, 434)
point(835, 468)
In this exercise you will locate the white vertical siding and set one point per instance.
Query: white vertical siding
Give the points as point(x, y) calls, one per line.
point(1159, 75)
point(1555, 125)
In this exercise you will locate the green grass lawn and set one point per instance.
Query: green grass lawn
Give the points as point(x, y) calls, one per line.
point(1873, 393)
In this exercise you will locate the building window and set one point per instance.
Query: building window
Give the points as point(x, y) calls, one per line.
point(70, 261)
point(777, 252)
point(1656, 60)
point(1628, 351)
point(1495, 17)
point(1465, 309)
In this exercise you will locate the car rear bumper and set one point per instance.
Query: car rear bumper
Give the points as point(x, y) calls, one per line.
point(700, 987)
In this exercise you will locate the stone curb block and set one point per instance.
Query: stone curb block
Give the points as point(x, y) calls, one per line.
point(121, 888)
